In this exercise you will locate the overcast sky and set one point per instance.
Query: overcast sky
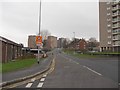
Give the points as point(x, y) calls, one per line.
point(61, 19)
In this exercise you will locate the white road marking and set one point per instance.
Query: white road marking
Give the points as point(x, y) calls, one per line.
point(43, 79)
point(93, 70)
point(70, 60)
point(33, 79)
point(74, 61)
point(28, 85)
point(44, 75)
point(40, 85)
point(119, 84)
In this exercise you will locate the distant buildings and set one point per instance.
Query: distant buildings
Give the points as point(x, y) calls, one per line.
point(51, 42)
point(31, 42)
point(109, 22)
point(61, 42)
point(78, 44)
point(9, 50)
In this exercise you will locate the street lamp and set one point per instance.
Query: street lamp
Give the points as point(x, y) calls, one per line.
point(74, 35)
point(39, 32)
point(74, 42)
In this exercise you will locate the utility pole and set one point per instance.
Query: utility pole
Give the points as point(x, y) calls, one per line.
point(39, 32)
point(74, 35)
point(74, 42)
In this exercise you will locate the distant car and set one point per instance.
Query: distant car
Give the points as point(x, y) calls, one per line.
point(78, 51)
point(42, 54)
point(93, 51)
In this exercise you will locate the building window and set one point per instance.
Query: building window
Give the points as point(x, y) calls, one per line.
point(109, 25)
point(109, 42)
point(108, 19)
point(108, 8)
point(108, 14)
point(109, 30)
point(109, 36)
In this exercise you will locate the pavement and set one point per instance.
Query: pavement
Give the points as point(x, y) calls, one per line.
point(28, 71)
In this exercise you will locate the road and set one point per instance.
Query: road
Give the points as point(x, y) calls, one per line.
point(71, 72)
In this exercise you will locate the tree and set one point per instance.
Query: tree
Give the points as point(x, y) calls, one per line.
point(92, 39)
point(92, 43)
point(45, 34)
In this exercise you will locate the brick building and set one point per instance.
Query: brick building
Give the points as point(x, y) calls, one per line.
point(9, 50)
point(78, 44)
point(82, 45)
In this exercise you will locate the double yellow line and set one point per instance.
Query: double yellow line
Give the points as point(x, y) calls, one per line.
point(40, 74)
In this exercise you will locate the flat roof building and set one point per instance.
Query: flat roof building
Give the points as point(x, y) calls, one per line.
point(51, 42)
point(109, 25)
point(31, 41)
point(9, 50)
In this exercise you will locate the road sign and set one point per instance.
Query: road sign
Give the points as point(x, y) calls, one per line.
point(39, 40)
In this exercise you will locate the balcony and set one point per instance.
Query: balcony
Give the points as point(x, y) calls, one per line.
point(118, 18)
point(114, 3)
point(116, 14)
point(116, 26)
point(115, 8)
point(116, 32)
point(115, 20)
point(116, 45)
point(116, 38)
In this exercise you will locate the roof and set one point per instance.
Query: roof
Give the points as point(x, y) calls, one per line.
point(8, 41)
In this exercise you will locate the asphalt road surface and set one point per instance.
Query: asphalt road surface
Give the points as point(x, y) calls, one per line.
point(71, 72)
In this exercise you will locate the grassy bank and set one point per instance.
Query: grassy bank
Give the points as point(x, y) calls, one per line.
point(18, 64)
point(91, 55)
point(71, 52)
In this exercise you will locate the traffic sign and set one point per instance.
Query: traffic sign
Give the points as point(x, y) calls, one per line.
point(39, 40)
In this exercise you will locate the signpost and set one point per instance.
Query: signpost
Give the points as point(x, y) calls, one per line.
point(39, 38)
point(39, 44)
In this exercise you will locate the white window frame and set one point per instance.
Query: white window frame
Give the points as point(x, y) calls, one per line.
point(109, 42)
point(109, 30)
point(108, 14)
point(109, 25)
point(108, 19)
point(108, 8)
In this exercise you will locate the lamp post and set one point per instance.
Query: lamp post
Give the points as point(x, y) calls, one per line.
point(74, 42)
point(74, 35)
point(39, 32)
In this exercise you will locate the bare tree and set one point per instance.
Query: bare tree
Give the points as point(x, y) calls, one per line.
point(92, 43)
point(45, 34)
point(92, 39)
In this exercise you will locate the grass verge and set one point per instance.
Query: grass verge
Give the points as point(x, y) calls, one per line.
point(79, 55)
point(16, 65)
